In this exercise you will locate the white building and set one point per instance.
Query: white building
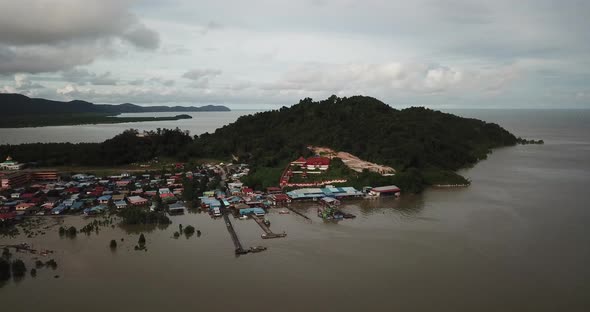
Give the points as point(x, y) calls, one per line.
point(10, 164)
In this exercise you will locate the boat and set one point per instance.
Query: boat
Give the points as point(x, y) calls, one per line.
point(257, 249)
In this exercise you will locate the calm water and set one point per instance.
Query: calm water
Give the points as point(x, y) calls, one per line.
point(516, 240)
point(200, 123)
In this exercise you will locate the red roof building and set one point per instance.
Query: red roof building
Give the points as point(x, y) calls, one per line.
point(321, 163)
point(299, 162)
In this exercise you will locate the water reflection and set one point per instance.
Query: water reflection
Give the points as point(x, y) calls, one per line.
point(142, 228)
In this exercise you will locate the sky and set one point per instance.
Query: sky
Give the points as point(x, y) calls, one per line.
point(261, 54)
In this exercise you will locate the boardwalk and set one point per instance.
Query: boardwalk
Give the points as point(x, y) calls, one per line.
point(232, 232)
point(298, 213)
point(267, 232)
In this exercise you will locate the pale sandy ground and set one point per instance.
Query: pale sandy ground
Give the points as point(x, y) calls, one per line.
point(353, 162)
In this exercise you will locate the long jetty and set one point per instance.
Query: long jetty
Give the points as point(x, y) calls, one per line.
point(267, 232)
point(234, 236)
point(232, 232)
point(298, 213)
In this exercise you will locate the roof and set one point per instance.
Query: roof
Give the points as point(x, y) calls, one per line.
point(247, 190)
point(299, 160)
point(318, 161)
point(105, 197)
point(386, 189)
point(135, 199)
point(176, 206)
point(328, 199)
point(280, 197)
point(251, 210)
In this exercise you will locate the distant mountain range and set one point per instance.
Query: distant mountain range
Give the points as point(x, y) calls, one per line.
point(18, 105)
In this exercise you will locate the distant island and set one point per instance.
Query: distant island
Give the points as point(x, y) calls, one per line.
point(421, 146)
point(21, 111)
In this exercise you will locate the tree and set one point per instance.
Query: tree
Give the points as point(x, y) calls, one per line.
point(189, 230)
point(113, 244)
point(141, 240)
point(4, 269)
point(18, 268)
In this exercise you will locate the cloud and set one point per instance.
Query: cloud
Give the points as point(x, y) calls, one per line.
point(31, 22)
point(22, 84)
point(388, 78)
point(201, 77)
point(83, 76)
point(46, 36)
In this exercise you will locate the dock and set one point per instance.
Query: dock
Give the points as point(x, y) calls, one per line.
point(232, 232)
point(267, 232)
point(298, 213)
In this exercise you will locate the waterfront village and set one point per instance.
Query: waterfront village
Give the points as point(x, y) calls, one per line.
point(27, 192)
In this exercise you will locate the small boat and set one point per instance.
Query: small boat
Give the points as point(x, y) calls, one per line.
point(257, 249)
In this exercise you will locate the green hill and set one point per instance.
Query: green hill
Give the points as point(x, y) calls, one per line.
point(20, 105)
point(425, 146)
point(411, 140)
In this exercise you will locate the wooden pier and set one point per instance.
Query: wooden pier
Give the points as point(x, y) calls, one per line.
point(234, 236)
point(298, 213)
point(267, 232)
point(232, 232)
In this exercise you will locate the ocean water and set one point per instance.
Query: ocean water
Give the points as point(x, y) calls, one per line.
point(517, 239)
point(200, 123)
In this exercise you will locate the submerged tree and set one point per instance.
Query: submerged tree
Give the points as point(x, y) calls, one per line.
point(141, 240)
point(4, 269)
point(72, 231)
point(18, 268)
point(189, 230)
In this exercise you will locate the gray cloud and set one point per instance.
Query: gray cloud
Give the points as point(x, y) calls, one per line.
point(41, 58)
point(83, 76)
point(198, 74)
point(201, 77)
point(46, 36)
point(30, 22)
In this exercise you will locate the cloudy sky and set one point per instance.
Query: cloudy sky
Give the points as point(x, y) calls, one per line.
point(270, 53)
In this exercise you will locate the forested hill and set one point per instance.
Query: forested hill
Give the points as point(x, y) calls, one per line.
point(20, 105)
point(410, 138)
point(423, 145)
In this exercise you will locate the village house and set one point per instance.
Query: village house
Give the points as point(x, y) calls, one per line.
point(137, 201)
point(120, 204)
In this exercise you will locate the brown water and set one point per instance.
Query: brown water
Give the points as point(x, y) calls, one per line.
point(516, 240)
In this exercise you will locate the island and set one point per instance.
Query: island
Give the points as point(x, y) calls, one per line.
point(20, 111)
point(418, 147)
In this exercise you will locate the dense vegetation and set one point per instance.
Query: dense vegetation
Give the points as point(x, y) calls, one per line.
point(125, 148)
point(68, 119)
point(423, 145)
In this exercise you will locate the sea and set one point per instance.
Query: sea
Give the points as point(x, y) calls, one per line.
point(517, 239)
